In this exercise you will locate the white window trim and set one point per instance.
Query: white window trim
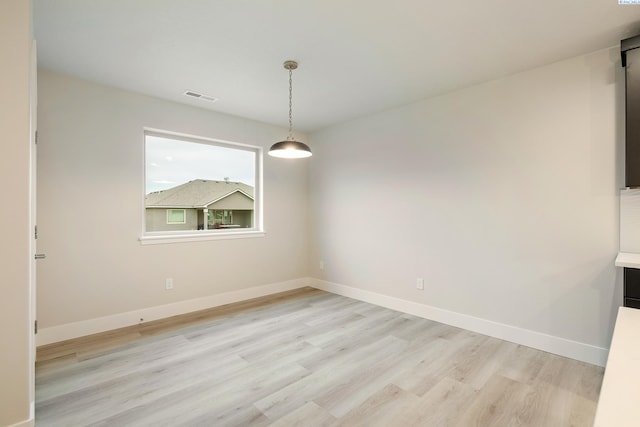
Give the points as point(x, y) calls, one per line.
point(184, 216)
point(164, 237)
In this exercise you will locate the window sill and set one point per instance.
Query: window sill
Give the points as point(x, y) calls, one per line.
point(161, 239)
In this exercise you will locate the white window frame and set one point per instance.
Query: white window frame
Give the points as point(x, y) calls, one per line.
point(184, 216)
point(163, 237)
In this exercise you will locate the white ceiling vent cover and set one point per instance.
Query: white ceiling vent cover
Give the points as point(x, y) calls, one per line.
point(194, 94)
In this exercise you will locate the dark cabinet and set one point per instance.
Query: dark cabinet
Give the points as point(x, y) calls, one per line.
point(632, 287)
point(631, 61)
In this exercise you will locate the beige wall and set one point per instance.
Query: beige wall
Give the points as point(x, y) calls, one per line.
point(15, 328)
point(91, 156)
point(507, 194)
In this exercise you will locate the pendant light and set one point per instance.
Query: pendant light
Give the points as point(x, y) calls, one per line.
point(290, 148)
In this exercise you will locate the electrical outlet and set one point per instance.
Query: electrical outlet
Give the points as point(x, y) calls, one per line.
point(420, 283)
point(321, 265)
point(168, 283)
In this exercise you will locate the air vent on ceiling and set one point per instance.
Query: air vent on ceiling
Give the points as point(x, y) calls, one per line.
point(200, 96)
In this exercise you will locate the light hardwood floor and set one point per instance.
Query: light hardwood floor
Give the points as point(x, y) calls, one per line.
point(307, 358)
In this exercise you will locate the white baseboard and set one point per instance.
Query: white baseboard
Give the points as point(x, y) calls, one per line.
point(27, 423)
point(552, 344)
point(101, 324)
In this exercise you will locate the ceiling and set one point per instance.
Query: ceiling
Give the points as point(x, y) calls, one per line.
point(356, 57)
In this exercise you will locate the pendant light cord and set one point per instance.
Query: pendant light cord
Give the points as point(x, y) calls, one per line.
point(290, 98)
point(290, 148)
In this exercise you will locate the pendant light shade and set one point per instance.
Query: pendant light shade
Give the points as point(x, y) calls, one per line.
point(290, 148)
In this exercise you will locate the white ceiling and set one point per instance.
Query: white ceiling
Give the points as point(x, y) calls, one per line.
point(356, 56)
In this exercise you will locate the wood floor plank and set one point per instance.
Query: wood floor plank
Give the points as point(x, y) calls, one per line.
point(442, 405)
point(419, 328)
point(390, 406)
point(480, 365)
point(99, 401)
point(351, 330)
point(503, 402)
point(108, 367)
point(523, 364)
point(442, 362)
point(307, 358)
point(343, 368)
point(308, 415)
point(367, 380)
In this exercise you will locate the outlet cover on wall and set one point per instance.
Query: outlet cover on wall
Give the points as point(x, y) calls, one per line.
point(420, 283)
point(168, 283)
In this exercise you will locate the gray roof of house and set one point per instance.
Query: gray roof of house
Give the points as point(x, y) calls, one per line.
point(198, 193)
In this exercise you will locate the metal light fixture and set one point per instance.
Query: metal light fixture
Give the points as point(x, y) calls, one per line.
point(290, 148)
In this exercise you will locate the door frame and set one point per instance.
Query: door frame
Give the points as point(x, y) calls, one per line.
point(33, 125)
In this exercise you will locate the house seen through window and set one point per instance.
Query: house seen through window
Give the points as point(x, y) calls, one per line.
point(199, 185)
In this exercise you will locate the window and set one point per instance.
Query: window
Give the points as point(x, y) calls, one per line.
point(175, 216)
point(199, 188)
